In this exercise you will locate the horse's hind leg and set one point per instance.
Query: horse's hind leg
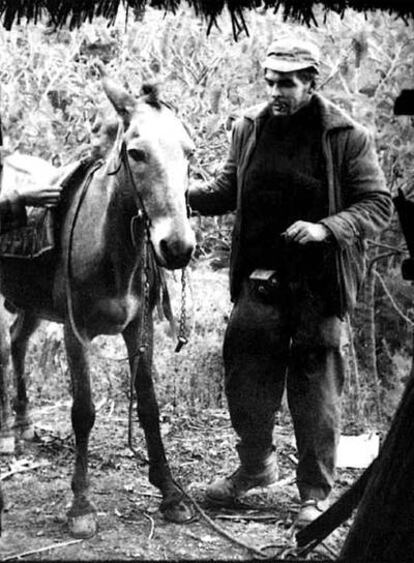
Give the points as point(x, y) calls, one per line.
point(6, 433)
point(1, 510)
point(173, 506)
point(82, 514)
point(21, 329)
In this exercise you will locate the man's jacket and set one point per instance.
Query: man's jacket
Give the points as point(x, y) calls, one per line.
point(359, 201)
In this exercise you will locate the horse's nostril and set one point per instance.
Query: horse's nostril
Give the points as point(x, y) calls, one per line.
point(177, 253)
point(164, 248)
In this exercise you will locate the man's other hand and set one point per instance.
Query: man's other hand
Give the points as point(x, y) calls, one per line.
point(303, 232)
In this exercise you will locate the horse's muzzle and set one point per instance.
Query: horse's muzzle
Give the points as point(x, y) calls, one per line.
point(176, 254)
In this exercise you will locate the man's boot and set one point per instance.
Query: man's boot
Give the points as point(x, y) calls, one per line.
point(309, 511)
point(257, 468)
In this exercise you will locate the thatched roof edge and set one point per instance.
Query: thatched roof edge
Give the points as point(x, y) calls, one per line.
point(76, 12)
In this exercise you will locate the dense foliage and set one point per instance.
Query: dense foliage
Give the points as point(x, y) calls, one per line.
point(50, 94)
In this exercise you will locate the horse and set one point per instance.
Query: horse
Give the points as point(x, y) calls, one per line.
point(117, 225)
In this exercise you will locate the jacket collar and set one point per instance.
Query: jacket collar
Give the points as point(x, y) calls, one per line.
point(333, 117)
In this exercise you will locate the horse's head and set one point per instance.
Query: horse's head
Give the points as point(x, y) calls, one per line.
point(157, 148)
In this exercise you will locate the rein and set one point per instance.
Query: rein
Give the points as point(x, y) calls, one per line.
point(69, 301)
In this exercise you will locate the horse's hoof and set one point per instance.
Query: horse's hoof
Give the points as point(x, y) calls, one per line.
point(27, 433)
point(179, 512)
point(24, 429)
point(84, 526)
point(7, 443)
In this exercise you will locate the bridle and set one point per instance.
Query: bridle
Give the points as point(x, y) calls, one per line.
point(148, 261)
point(140, 220)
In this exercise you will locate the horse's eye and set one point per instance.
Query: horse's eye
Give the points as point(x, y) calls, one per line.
point(139, 155)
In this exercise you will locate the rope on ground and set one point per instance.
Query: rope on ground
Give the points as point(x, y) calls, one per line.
point(257, 552)
point(392, 300)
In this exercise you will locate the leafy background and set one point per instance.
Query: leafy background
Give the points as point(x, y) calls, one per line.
point(51, 93)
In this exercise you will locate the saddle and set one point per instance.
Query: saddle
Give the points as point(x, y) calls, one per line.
point(31, 241)
point(37, 238)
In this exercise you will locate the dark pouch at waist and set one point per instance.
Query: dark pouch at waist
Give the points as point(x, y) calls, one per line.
point(265, 284)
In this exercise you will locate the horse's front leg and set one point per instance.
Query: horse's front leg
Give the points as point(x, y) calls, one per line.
point(6, 433)
point(82, 514)
point(21, 329)
point(173, 506)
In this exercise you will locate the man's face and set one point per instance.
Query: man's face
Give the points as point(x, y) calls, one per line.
point(286, 91)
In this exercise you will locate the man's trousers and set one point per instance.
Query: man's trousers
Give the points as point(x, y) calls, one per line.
point(288, 340)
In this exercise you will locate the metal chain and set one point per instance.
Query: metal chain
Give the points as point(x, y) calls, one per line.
point(143, 343)
point(182, 328)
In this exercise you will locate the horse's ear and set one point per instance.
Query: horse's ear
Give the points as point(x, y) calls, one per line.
point(123, 102)
point(150, 91)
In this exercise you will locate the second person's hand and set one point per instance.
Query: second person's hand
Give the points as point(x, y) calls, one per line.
point(47, 196)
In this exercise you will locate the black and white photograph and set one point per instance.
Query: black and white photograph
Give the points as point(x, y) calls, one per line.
point(206, 280)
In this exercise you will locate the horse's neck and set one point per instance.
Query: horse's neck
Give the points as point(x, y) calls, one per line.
point(124, 236)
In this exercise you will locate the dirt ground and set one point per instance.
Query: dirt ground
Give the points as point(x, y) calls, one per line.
point(130, 525)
